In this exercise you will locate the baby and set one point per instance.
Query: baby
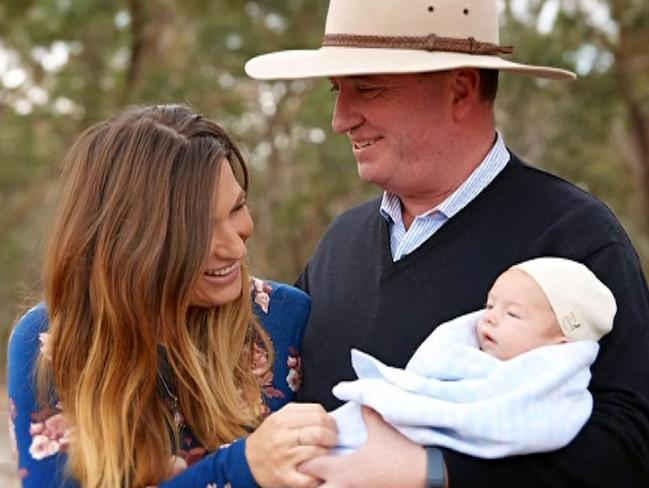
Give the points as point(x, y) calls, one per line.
point(509, 379)
point(543, 302)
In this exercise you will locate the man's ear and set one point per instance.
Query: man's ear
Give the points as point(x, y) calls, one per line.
point(466, 92)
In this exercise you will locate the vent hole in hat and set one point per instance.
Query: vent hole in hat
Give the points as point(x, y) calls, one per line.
point(466, 11)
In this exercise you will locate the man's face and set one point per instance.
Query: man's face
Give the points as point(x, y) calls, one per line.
point(518, 317)
point(399, 125)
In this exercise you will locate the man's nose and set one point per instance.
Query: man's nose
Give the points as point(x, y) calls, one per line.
point(346, 116)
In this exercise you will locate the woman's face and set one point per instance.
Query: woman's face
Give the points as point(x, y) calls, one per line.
point(220, 282)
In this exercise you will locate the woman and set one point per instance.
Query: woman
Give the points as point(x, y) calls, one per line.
point(148, 355)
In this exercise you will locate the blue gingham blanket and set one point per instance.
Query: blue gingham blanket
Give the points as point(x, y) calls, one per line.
point(452, 394)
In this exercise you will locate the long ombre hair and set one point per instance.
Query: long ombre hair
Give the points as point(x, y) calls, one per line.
point(128, 245)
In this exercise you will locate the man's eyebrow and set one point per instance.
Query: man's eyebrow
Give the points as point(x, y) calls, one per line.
point(332, 79)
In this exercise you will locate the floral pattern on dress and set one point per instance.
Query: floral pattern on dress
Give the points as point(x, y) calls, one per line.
point(48, 428)
point(12, 429)
point(190, 451)
point(261, 291)
point(13, 441)
point(50, 433)
point(46, 345)
point(294, 363)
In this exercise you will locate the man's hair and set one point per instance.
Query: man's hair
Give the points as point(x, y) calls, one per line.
point(488, 84)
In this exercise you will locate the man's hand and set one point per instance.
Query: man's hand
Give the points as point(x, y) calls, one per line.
point(387, 459)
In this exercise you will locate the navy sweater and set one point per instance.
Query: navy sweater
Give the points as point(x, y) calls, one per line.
point(362, 299)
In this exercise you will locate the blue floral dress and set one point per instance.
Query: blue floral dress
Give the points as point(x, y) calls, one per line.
point(41, 437)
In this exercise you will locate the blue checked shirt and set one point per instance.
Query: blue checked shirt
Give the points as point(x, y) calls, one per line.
point(404, 242)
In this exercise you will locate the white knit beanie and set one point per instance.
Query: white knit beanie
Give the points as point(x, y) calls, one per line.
point(583, 305)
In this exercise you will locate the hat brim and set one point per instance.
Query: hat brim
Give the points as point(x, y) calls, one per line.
point(345, 61)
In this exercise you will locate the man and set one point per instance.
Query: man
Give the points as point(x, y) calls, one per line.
point(415, 86)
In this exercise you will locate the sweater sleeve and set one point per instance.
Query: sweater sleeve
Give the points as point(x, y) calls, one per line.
point(613, 447)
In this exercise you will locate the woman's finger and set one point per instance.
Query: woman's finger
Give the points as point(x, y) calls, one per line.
point(298, 419)
point(304, 453)
point(316, 435)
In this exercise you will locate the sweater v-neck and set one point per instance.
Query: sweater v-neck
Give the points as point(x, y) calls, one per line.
point(449, 230)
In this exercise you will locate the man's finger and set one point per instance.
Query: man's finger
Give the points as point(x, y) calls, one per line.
point(373, 421)
point(300, 480)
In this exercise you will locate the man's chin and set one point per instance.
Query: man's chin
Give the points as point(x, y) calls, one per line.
point(367, 172)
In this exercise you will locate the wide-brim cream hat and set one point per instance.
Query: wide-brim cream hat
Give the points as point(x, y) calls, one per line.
point(365, 37)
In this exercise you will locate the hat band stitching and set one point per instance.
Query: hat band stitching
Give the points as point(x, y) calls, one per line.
point(430, 42)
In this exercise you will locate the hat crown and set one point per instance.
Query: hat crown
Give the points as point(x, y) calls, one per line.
point(459, 19)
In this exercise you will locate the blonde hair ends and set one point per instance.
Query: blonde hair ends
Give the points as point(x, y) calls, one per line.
point(127, 246)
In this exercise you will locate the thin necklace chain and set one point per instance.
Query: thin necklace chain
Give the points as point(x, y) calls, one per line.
point(178, 416)
point(166, 387)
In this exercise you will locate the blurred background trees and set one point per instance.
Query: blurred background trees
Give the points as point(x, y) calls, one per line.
point(67, 63)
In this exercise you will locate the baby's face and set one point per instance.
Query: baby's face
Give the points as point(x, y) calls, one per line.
point(517, 317)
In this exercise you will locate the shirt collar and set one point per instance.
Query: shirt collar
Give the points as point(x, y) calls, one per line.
point(495, 160)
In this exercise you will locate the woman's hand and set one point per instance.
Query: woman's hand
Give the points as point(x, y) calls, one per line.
point(294, 434)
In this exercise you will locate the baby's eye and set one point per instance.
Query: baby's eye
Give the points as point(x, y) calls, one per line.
point(488, 306)
point(513, 315)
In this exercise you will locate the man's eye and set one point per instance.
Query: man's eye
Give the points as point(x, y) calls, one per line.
point(367, 89)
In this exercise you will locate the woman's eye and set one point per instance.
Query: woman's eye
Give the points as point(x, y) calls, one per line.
point(239, 206)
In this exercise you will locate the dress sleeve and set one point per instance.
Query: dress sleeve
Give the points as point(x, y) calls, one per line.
point(613, 447)
point(39, 436)
point(283, 312)
point(225, 468)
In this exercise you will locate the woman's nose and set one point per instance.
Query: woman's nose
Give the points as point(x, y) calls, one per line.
point(230, 243)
